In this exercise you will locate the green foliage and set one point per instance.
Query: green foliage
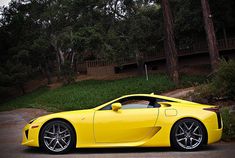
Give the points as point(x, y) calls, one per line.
point(88, 94)
point(14, 74)
point(33, 32)
point(204, 91)
point(188, 18)
point(221, 85)
point(224, 81)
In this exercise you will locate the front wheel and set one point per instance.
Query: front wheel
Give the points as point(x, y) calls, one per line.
point(188, 135)
point(57, 137)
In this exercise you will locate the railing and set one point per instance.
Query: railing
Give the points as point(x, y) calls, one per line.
point(231, 43)
point(200, 47)
point(82, 67)
point(94, 63)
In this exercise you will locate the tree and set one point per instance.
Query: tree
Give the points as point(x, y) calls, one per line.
point(210, 32)
point(14, 75)
point(169, 43)
point(51, 36)
point(43, 55)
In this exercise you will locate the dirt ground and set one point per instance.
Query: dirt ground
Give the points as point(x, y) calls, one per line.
point(179, 93)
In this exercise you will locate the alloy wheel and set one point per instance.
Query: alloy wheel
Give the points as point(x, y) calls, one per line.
point(57, 137)
point(188, 134)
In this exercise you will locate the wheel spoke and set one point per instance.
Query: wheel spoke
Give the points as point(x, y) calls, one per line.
point(181, 128)
point(186, 126)
point(64, 131)
point(186, 142)
point(63, 141)
point(49, 132)
point(46, 137)
point(180, 134)
point(191, 142)
point(195, 129)
point(191, 126)
point(54, 145)
point(60, 145)
point(199, 135)
point(68, 135)
point(58, 128)
point(53, 128)
point(181, 139)
point(51, 141)
point(196, 140)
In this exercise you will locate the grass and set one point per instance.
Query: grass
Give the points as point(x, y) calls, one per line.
point(88, 94)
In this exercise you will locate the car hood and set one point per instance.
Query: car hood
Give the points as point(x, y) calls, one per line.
point(63, 115)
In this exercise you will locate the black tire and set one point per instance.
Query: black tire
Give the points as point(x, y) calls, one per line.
point(52, 136)
point(188, 135)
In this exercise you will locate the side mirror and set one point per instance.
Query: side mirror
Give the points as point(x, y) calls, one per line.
point(116, 106)
point(164, 104)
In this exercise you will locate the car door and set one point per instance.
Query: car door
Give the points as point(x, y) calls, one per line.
point(132, 123)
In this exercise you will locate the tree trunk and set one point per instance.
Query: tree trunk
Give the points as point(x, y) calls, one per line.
point(48, 73)
point(140, 62)
point(54, 43)
point(61, 55)
point(169, 42)
point(211, 38)
point(21, 87)
point(72, 60)
point(225, 37)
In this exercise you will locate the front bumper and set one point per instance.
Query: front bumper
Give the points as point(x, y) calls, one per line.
point(30, 135)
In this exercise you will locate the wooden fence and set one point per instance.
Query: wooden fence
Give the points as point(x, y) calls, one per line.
point(197, 48)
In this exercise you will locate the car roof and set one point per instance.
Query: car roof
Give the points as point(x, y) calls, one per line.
point(147, 95)
point(161, 97)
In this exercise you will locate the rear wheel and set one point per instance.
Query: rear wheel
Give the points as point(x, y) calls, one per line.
point(188, 135)
point(57, 137)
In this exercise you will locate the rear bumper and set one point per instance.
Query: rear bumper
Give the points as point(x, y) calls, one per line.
point(214, 135)
point(215, 132)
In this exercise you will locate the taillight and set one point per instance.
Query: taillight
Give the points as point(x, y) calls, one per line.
point(213, 109)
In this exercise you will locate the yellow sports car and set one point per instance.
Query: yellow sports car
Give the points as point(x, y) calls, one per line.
point(143, 120)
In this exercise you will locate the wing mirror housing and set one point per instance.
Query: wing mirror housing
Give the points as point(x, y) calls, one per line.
point(116, 106)
point(164, 104)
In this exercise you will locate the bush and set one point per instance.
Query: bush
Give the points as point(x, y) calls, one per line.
point(224, 80)
point(228, 124)
point(67, 73)
point(203, 93)
point(222, 84)
point(14, 75)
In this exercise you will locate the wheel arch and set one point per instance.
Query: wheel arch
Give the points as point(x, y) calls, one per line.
point(204, 127)
point(57, 119)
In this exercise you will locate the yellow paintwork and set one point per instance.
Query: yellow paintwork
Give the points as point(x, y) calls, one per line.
point(128, 127)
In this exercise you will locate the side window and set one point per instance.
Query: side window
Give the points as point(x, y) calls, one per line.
point(136, 102)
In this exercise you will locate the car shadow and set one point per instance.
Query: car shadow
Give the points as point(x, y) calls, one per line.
point(31, 150)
